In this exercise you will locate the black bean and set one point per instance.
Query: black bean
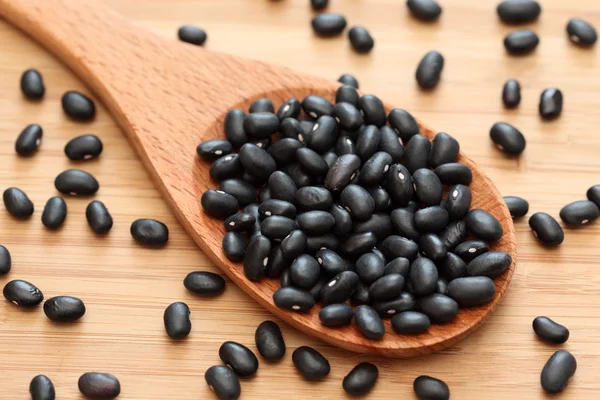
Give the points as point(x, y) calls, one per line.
point(226, 167)
point(410, 323)
point(379, 224)
point(277, 207)
point(390, 143)
point(441, 286)
point(429, 70)
point(358, 243)
point(399, 184)
point(203, 283)
point(424, 10)
point(41, 388)
point(398, 265)
point(293, 245)
point(546, 229)
point(257, 161)
point(22, 293)
point(517, 206)
point(386, 288)
point(484, 225)
point(342, 220)
point(348, 116)
point(403, 123)
point(223, 382)
point(323, 135)
point(327, 241)
point(417, 153)
point(518, 11)
point(5, 260)
point(252, 209)
point(342, 172)
point(581, 32)
point(332, 264)
point(239, 358)
point(98, 385)
point(511, 93)
point(149, 232)
point(335, 315)
point(328, 24)
point(244, 192)
point(76, 182)
point(290, 129)
point(431, 219)
point(490, 264)
point(433, 247)
point(361, 379)
point(311, 161)
point(459, 201)
point(32, 84)
point(472, 291)
point(177, 320)
point(55, 213)
point(454, 174)
point(261, 105)
point(317, 106)
point(64, 308)
point(293, 299)
point(315, 222)
point(269, 341)
point(261, 124)
point(277, 263)
point(29, 140)
point(78, 106)
point(305, 271)
point(452, 267)
point(428, 388)
point(453, 234)
point(403, 302)
point(550, 331)
point(263, 143)
point(358, 202)
point(373, 110)
point(234, 127)
point(427, 186)
point(348, 80)
point(396, 246)
point(310, 363)
point(257, 257)
point(521, 42)
point(370, 268)
point(559, 368)
point(234, 245)
point(375, 168)
point(369, 322)
point(439, 308)
point(17, 203)
point(315, 290)
point(423, 276)
point(277, 227)
point(593, 194)
point(284, 151)
point(579, 212)
point(192, 34)
point(471, 249)
point(289, 109)
point(403, 221)
point(381, 198)
point(360, 39)
point(285, 280)
point(314, 198)
point(444, 150)
point(98, 217)
point(87, 147)
point(361, 295)
point(551, 101)
point(218, 204)
point(340, 288)
point(344, 145)
point(347, 94)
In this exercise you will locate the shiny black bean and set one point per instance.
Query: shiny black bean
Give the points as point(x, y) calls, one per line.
point(261, 124)
point(22, 293)
point(360, 39)
point(521, 42)
point(579, 212)
point(310, 363)
point(277, 207)
point(323, 135)
point(348, 116)
point(507, 138)
point(342, 218)
point(234, 245)
point(546, 229)
point(417, 153)
point(444, 150)
point(234, 127)
point(219, 204)
point(399, 184)
point(439, 308)
point(239, 358)
point(347, 94)
point(358, 243)
point(454, 174)
point(76, 182)
point(490, 264)
point(551, 103)
point(593, 194)
point(311, 161)
point(452, 267)
point(423, 276)
point(431, 219)
point(41, 388)
point(386, 288)
point(328, 24)
point(550, 331)
point(226, 167)
point(86, 147)
point(335, 315)
point(581, 32)
point(203, 283)
point(511, 93)
point(313, 198)
point(55, 213)
point(98, 385)
point(17, 203)
point(290, 129)
point(257, 161)
point(344, 145)
point(305, 271)
point(429, 70)
point(373, 110)
point(518, 11)
point(403, 123)
point(472, 291)
point(387, 309)
point(78, 106)
point(327, 241)
point(244, 192)
point(315, 222)
point(223, 382)
point(317, 106)
point(471, 249)
point(361, 379)
point(424, 10)
point(261, 105)
point(293, 245)
point(192, 34)
point(177, 321)
point(269, 341)
point(459, 201)
point(379, 224)
point(404, 223)
point(390, 143)
point(375, 168)
point(98, 217)
point(396, 246)
point(559, 368)
point(32, 84)
point(277, 227)
point(427, 186)
point(381, 197)
point(277, 263)
point(293, 299)
point(330, 158)
point(410, 323)
point(263, 143)
point(340, 288)
point(348, 80)
point(369, 322)
point(257, 257)
point(428, 388)
point(358, 202)
point(398, 265)
point(369, 268)
point(484, 225)
point(453, 234)
point(29, 140)
point(289, 109)
point(432, 247)
point(64, 308)
point(517, 206)
point(332, 264)
point(342, 172)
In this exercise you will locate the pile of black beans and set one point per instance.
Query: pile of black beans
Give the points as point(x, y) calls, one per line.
point(343, 213)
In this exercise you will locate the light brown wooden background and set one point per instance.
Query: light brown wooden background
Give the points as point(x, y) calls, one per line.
point(126, 287)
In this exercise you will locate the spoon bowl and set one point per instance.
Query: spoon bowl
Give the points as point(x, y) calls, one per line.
point(169, 96)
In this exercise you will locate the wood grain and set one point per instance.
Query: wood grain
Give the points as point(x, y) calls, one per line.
point(121, 280)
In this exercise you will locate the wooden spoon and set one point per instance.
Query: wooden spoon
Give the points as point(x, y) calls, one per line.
point(169, 96)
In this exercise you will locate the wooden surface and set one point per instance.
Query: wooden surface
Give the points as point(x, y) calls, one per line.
point(127, 287)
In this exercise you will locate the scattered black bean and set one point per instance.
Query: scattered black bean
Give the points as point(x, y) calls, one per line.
point(177, 320)
point(97, 385)
point(29, 140)
point(551, 103)
point(424, 10)
point(64, 308)
point(335, 315)
point(546, 229)
point(310, 363)
point(439, 308)
point(269, 341)
point(559, 368)
point(234, 245)
point(361, 39)
point(55, 213)
point(471, 249)
point(511, 93)
point(328, 24)
point(521, 42)
point(361, 379)
point(369, 322)
point(581, 32)
point(348, 80)
point(429, 70)
point(593, 194)
point(192, 34)
point(78, 106)
point(17, 203)
point(209, 150)
point(518, 11)
point(517, 206)
point(507, 138)
point(76, 182)
point(22, 293)
point(294, 299)
point(239, 358)
point(149, 232)
point(550, 331)
point(428, 388)
point(206, 284)
point(5, 260)
point(579, 212)
point(87, 147)
point(223, 382)
point(32, 84)
point(98, 217)
point(41, 388)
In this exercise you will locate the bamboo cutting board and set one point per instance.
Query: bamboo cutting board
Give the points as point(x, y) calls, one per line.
point(126, 287)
